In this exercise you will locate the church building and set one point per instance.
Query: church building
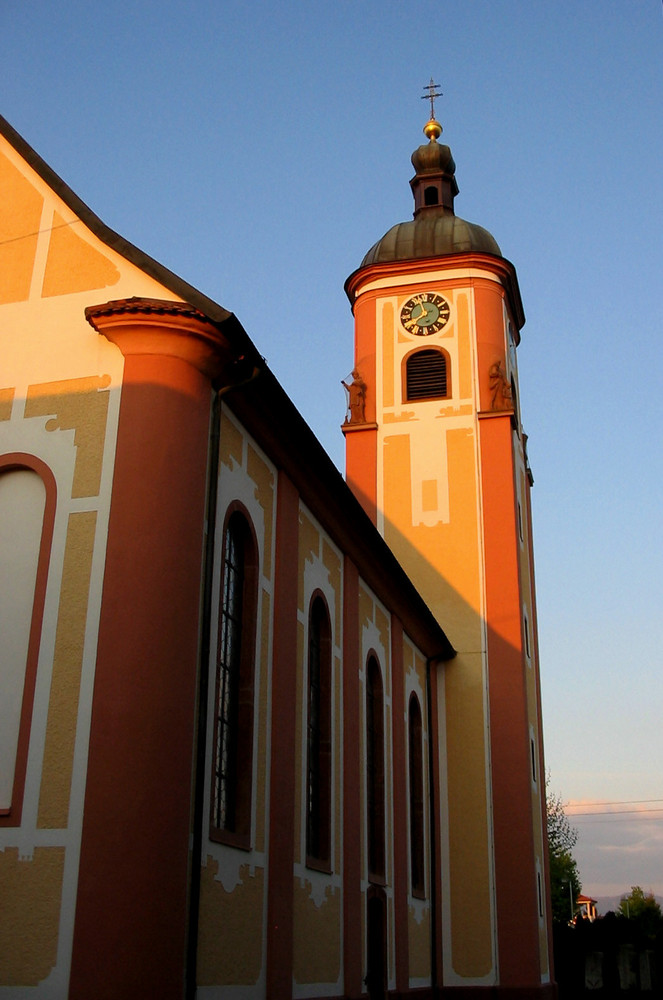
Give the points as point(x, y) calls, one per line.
point(264, 733)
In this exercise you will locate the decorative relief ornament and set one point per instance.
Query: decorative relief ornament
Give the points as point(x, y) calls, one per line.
point(425, 314)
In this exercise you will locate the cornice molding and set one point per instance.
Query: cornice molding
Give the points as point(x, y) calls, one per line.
point(140, 326)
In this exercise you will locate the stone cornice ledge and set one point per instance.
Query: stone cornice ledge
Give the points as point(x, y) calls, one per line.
point(162, 327)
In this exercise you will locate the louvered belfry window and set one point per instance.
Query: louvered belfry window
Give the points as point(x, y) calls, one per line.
point(426, 375)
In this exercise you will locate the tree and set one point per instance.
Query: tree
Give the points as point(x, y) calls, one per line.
point(565, 882)
point(641, 907)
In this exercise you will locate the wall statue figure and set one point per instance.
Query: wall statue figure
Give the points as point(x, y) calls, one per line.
point(356, 406)
point(500, 390)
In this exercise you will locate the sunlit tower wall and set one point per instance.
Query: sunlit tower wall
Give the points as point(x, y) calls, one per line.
point(436, 453)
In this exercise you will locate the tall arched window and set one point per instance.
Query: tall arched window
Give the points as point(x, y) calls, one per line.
point(416, 769)
point(375, 807)
point(230, 819)
point(427, 375)
point(27, 511)
point(318, 788)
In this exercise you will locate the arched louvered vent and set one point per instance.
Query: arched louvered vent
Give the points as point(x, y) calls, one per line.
point(426, 375)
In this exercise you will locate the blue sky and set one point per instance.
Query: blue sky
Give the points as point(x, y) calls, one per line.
point(259, 150)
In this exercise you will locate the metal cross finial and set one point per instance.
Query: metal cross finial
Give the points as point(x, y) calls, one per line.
point(433, 92)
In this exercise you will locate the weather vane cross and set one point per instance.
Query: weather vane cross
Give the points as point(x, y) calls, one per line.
point(433, 92)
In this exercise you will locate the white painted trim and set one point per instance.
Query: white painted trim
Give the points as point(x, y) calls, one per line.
point(428, 278)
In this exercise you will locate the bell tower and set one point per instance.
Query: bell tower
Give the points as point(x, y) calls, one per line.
point(436, 454)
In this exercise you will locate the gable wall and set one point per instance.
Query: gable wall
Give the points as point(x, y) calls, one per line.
point(60, 385)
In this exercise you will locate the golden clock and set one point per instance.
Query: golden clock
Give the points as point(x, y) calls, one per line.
point(425, 314)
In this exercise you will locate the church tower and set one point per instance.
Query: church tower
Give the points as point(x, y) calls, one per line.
point(436, 454)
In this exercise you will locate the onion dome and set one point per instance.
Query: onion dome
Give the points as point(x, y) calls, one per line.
point(435, 230)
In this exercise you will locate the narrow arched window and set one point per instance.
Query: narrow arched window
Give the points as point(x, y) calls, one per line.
point(427, 375)
point(416, 773)
point(318, 786)
point(375, 796)
point(233, 723)
point(27, 510)
point(431, 195)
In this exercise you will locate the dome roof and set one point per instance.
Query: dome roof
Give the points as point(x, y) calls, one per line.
point(433, 156)
point(435, 231)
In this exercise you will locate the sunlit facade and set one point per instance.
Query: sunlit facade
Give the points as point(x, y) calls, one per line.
point(263, 734)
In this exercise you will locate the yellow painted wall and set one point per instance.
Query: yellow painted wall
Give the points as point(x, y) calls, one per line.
point(30, 890)
point(430, 503)
point(419, 944)
point(230, 930)
point(430, 509)
point(233, 885)
point(60, 385)
point(317, 916)
point(317, 936)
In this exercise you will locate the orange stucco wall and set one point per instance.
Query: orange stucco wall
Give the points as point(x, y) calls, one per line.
point(445, 500)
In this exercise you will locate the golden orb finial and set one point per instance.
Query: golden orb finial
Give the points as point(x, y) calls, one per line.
point(432, 130)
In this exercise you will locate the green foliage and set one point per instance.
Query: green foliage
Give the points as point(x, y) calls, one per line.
point(565, 886)
point(641, 908)
point(562, 837)
point(565, 882)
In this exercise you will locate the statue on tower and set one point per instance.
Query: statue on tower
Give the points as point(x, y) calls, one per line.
point(500, 390)
point(356, 407)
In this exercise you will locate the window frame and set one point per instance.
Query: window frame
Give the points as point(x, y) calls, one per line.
point(416, 797)
point(15, 462)
point(406, 365)
point(319, 736)
point(375, 772)
point(235, 829)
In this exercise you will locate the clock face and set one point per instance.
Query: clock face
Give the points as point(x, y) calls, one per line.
point(425, 314)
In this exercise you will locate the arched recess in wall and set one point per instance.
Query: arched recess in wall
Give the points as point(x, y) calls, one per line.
point(27, 513)
point(375, 771)
point(426, 374)
point(232, 770)
point(319, 736)
point(416, 776)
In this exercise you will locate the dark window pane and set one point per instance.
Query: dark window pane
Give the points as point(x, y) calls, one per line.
point(375, 769)
point(318, 798)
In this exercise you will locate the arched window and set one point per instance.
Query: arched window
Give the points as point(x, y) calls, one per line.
point(27, 511)
point(375, 770)
point(416, 762)
point(431, 195)
point(427, 375)
point(318, 788)
point(230, 819)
